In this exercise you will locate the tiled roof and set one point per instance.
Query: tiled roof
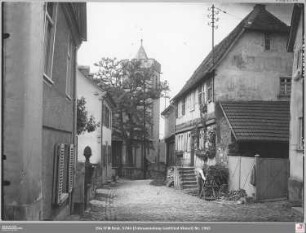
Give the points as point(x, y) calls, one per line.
point(258, 120)
point(167, 110)
point(297, 12)
point(258, 19)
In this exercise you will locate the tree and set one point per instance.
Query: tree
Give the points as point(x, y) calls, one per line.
point(85, 123)
point(130, 85)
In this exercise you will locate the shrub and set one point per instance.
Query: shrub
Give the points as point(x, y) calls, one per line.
point(219, 172)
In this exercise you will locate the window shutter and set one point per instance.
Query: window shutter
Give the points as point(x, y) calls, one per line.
point(59, 191)
point(60, 167)
point(71, 168)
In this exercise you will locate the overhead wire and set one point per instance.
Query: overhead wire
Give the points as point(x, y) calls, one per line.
point(225, 12)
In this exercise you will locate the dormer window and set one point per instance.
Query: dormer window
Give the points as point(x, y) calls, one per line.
point(267, 41)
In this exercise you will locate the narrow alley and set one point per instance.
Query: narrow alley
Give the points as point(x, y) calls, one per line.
point(144, 200)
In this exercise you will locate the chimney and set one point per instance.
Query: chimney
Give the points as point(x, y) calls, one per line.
point(260, 7)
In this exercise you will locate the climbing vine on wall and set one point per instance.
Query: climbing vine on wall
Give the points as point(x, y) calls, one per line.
point(209, 150)
point(210, 143)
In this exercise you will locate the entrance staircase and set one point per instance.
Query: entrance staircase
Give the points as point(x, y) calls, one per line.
point(187, 180)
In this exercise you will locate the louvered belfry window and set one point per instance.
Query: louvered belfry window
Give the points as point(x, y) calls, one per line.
point(63, 172)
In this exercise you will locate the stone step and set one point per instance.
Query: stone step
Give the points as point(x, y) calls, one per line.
point(185, 168)
point(184, 182)
point(186, 172)
point(188, 186)
point(189, 178)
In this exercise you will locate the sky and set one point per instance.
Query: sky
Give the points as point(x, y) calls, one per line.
point(176, 34)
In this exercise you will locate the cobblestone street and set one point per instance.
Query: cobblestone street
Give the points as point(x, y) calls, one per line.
point(140, 200)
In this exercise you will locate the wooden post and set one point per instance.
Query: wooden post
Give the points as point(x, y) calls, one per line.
point(176, 178)
point(256, 176)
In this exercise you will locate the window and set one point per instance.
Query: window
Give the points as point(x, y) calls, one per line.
point(188, 102)
point(107, 117)
point(70, 63)
point(176, 111)
point(285, 86)
point(209, 91)
point(183, 106)
point(189, 141)
point(185, 142)
point(300, 143)
point(50, 16)
point(108, 153)
point(192, 101)
point(201, 95)
point(201, 139)
point(267, 41)
point(300, 60)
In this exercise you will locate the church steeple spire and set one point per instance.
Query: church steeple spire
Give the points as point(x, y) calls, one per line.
point(141, 54)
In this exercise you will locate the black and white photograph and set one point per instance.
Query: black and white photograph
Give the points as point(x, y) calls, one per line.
point(167, 116)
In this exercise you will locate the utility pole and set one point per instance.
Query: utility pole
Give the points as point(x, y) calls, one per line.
point(144, 129)
point(213, 11)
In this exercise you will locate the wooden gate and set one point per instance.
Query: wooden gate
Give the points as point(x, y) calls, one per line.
point(271, 178)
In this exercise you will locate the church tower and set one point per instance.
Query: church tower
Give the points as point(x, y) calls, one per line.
point(151, 154)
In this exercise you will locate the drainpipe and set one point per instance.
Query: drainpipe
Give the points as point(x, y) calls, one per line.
point(303, 112)
point(102, 123)
point(239, 171)
point(74, 131)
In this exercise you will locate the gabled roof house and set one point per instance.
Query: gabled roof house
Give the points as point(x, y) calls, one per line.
point(250, 64)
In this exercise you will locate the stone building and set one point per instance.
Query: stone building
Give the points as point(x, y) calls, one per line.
point(297, 107)
point(39, 110)
point(250, 64)
point(134, 168)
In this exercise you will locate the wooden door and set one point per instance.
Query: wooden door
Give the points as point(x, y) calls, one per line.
point(272, 178)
